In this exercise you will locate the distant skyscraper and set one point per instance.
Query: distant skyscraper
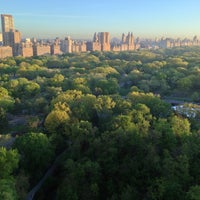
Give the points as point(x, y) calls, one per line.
point(104, 38)
point(11, 37)
point(123, 38)
point(127, 42)
point(95, 38)
point(66, 45)
point(101, 42)
point(7, 23)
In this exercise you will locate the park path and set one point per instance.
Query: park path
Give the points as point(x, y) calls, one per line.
point(49, 172)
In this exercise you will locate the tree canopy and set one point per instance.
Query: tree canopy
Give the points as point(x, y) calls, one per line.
point(108, 121)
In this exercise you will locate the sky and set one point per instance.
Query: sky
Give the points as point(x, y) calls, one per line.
point(80, 19)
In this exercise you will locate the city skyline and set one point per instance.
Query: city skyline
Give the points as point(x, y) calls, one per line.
point(80, 19)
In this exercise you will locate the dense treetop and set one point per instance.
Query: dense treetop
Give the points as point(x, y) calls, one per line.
point(108, 115)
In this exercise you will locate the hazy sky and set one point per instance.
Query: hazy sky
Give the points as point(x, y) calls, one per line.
point(81, 18)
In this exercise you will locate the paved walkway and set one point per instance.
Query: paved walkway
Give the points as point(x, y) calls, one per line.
point(50, 171)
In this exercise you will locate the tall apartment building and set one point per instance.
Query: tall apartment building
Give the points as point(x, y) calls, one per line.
point(66, 45)
point(11, 37)
point(104, 39)
point(7, 23)
point(79, 46)
point(101, 42)
point(70, 46)
point(127, 43)
point(95, 44)
point(55, 47)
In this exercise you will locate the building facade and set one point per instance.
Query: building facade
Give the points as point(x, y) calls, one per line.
point(5, 51)
point(101, 42)
point(127, 43)
point(66, 45)
point(41, 49)
point(55, 47)
point(7, 23)
point(104, 39)
point(11, 37)
point(27, 48)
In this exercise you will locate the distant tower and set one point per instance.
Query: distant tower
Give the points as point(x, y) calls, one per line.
point(123, 38)
point(128, 38)
point(104, 39)
point(127, 43)
point(7, 23)
point(11, 37)
point(137, 43)
point(132, 38)
point(55, 47)
point(95, 39)
point(66, 45)
point(130, 41)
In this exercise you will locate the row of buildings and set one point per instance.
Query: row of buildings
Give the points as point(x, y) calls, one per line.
point(11, 43)
point(169, 43)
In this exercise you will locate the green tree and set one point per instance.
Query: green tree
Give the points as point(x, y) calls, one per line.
point(122, 122)
point(7, 189)
point(193, 193)
point(180, 126)
point(22, 184)
point(81, 180)
point(36, 153)
point(142, 117)
point(104, 105)
point(57, 80)
point(105, 86)
point(67, 97)
point(8, 162)
point(83, 108)
point(80, 84)
point(31, 89)
point(3, 120)
point(55, 119)
point(162, 109)
point(184, 84)
point(6, 101)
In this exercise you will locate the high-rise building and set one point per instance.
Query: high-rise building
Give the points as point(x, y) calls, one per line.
point(104, 39)
point(101, 42)
point(55, 47)
point(127, 42)
point(79, 46)
point(11, 37)
point(7, 23)
point(66, 45)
